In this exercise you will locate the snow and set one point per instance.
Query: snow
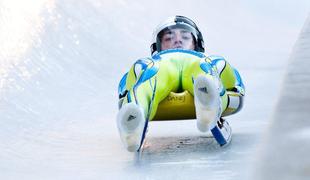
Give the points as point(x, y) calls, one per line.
point(60, 66)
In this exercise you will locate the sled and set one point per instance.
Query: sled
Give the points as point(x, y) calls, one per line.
point(180, 106)
point(176, 106)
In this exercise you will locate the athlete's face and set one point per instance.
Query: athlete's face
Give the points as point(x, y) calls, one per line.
point(177, 38)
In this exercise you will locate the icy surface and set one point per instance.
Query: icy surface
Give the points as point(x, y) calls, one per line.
point(287, 144)
point(60, 63)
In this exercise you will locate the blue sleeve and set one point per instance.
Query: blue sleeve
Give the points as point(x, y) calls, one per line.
point(122, 86)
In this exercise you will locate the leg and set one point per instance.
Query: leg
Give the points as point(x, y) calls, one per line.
point(202, 81)
point(210, 99)
point(148, 85)
point(131, 119)
point(233, 84)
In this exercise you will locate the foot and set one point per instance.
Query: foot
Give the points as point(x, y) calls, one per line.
point(207, 102)
point(131, 123)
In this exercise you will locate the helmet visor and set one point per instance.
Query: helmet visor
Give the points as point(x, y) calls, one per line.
point(177, 36)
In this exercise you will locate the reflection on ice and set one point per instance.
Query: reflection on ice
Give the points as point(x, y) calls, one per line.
point(21, 25)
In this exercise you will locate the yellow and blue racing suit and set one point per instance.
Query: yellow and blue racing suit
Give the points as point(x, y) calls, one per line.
point(150, 80)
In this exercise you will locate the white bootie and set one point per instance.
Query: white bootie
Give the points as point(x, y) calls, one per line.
point(207, 102)
point(131, 123)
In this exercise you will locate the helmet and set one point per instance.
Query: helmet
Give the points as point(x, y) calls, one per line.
point(177, 22)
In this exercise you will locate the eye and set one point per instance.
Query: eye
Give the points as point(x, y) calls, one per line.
point(167, 37)
point(186, 36)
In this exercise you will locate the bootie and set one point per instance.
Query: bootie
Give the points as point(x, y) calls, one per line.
point(131, 124)
point(207, 102)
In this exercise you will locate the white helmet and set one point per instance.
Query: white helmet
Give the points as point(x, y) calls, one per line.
point(177, 22)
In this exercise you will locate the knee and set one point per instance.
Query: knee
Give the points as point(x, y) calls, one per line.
point(144, 69)
point(206, 67)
